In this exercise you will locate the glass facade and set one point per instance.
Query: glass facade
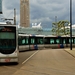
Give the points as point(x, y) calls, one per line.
point(0, 6)
point(34, 31)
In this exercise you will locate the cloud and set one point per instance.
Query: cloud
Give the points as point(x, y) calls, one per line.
point(45, 11)
point(41, 10)
point(8, 9)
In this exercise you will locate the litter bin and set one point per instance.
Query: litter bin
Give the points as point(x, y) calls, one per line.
point(35, 47)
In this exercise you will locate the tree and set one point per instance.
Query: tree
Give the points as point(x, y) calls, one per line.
point(60, 28)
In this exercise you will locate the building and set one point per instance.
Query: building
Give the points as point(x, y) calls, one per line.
point(24, 13)
point(0, 6)
point(34, 31)
point(40, 31)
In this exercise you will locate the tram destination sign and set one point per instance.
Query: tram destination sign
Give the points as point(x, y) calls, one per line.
point(7, 29)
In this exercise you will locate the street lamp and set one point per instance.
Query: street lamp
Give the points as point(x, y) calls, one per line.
point(70, 24)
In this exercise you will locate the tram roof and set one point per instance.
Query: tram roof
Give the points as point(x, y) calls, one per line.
point(23, 35)
point(7, 25)
point(30, 35)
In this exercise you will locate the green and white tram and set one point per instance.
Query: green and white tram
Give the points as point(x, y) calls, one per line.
point(8, 44)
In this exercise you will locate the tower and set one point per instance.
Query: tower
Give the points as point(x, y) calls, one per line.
point(24, 13)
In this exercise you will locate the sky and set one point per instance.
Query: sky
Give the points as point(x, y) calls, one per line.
point(43, 11)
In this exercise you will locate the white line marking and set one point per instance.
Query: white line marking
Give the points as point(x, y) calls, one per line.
point(29, 57)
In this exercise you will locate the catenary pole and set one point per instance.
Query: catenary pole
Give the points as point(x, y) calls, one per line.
point(70, 24)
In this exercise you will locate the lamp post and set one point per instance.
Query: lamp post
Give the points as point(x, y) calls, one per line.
point(70, 24)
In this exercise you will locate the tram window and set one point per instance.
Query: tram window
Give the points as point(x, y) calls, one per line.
point(7, 43)
point(46, 41)
point(51, 41)
point(6, 35)
point(57, 41)
point(74, 41)
point(23, 41)
point(70, 40)
point(26, 41)
point(32, 41)
point(19, 41)
point(64, 41)
point(40, 41)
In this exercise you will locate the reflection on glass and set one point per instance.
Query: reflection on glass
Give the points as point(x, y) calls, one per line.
point(7, 40)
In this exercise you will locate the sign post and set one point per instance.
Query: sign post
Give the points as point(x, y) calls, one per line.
point(70, 24)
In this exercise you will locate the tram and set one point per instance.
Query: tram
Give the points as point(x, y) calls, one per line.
point(8, 44)
point(30, 42)
point(58, 41)
point(34, 42)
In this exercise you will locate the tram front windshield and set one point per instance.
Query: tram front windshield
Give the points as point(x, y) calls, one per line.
point(7, 42)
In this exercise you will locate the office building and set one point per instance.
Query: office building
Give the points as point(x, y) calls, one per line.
point(24, 13)
point(0, 6)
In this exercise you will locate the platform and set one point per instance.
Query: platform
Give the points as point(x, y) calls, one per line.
point(42, 63)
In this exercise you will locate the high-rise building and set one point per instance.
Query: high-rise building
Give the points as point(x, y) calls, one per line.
point(24, 13)
point(0, 6)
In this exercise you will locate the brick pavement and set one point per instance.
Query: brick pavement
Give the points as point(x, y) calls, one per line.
point(22, 71)
point(72, 52)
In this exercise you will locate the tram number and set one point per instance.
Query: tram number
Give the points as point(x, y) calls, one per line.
point(7, 60)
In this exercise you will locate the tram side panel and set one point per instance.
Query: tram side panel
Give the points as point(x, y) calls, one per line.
point(55, 42)
point(51, 42)
point(66, 41)
point(58, 42)
point(23, 43)
point(36, 42)
point(30, 42)
point(39, 42)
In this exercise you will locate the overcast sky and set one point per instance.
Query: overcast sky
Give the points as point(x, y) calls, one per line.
point(43, 11)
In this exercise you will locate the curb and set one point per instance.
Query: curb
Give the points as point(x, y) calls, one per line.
point(69, 53)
